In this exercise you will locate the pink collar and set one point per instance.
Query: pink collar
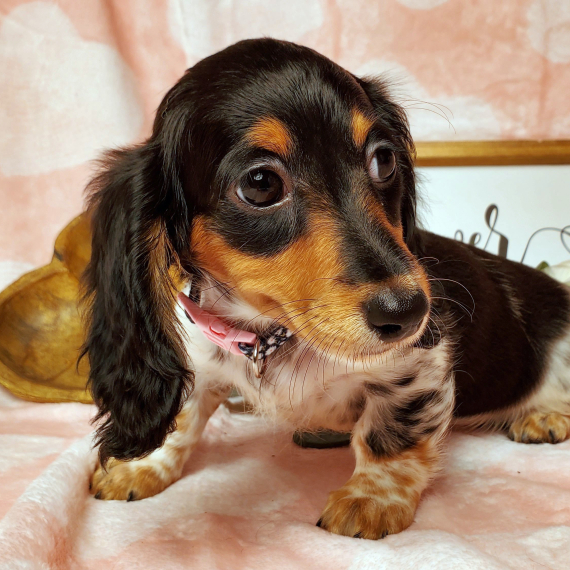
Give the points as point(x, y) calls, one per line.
point(215, 329)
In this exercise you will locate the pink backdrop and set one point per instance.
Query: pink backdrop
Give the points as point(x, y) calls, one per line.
point(78, 77)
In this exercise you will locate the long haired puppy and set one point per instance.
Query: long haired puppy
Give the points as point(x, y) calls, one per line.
point(265, 237)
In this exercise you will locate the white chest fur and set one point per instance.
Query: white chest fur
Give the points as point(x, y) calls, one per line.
point(307, 389)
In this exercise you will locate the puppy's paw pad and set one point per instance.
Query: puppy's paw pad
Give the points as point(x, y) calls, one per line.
point(541, 428)
point(361, 516)
point(126, 481)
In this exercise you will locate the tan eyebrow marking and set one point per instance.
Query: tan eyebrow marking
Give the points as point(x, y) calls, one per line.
point(271, 134)
point(361, 125)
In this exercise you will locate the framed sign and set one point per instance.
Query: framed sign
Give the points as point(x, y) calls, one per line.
point(481, 153)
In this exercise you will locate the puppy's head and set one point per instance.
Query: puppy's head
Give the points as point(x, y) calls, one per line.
point(277, 173)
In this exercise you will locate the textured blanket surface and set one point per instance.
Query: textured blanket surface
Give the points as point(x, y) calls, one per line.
point(249, 499)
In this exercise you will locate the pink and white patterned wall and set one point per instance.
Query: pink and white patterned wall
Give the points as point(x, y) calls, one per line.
point(77, 77)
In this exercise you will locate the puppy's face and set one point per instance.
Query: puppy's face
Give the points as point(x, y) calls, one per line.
point(304, 198)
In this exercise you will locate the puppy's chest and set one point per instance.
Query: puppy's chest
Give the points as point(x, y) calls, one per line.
point(308, 390)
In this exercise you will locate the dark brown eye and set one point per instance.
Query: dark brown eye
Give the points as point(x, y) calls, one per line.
point(261, 188)
point(382, 165)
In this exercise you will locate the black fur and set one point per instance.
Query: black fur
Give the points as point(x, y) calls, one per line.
point(138, 365)
point(499, 355)
point(378, 389)
point(405, 381)
point(408, 414)
point(390, 441)
point(400, 427)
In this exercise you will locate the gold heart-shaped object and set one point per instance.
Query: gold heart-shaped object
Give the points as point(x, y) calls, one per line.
point(41, 330)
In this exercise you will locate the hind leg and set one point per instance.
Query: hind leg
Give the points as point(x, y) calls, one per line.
point(541, 427)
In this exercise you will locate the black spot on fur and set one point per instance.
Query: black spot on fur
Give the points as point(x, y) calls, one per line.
point(378, 389)
point(408, 415)
point(389, 441)
point(405, 381)
point(355, 408)
point(429, 428)
point(418, 403)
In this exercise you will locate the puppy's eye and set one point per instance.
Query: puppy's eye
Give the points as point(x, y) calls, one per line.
point(261, 188)
point(382, 165)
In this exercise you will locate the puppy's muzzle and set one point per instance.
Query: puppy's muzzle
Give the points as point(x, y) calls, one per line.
point(396, 313)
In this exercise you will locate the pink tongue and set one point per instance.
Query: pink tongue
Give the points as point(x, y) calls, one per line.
point(215, 329)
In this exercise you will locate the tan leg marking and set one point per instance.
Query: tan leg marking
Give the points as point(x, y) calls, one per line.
point(148, 476)
point(382, 495)
point(539, 427)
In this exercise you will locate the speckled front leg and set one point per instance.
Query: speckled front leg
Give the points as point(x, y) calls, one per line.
point(397, 448)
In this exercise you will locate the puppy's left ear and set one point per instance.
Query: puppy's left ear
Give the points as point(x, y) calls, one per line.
point(140, 220)
point(395, 119)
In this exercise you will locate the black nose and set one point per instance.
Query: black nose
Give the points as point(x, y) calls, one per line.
point(396, 314)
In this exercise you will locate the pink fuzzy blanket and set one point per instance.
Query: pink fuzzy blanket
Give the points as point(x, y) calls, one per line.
point(249, 499)
point(80, 76)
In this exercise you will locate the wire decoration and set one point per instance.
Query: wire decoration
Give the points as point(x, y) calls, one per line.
point(491, 219)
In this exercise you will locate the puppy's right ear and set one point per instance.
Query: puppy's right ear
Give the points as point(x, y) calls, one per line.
point(138, 368)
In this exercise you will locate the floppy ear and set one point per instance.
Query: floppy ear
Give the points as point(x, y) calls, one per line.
point(394, 117)
point(138, 368)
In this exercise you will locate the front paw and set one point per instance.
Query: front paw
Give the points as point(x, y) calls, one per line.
point(351, 511)
point(127, 481)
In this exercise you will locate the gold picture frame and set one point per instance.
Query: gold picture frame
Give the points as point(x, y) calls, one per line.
point(487, 153)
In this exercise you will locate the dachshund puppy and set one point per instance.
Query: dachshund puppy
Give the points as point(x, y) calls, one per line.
point(276, 199)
